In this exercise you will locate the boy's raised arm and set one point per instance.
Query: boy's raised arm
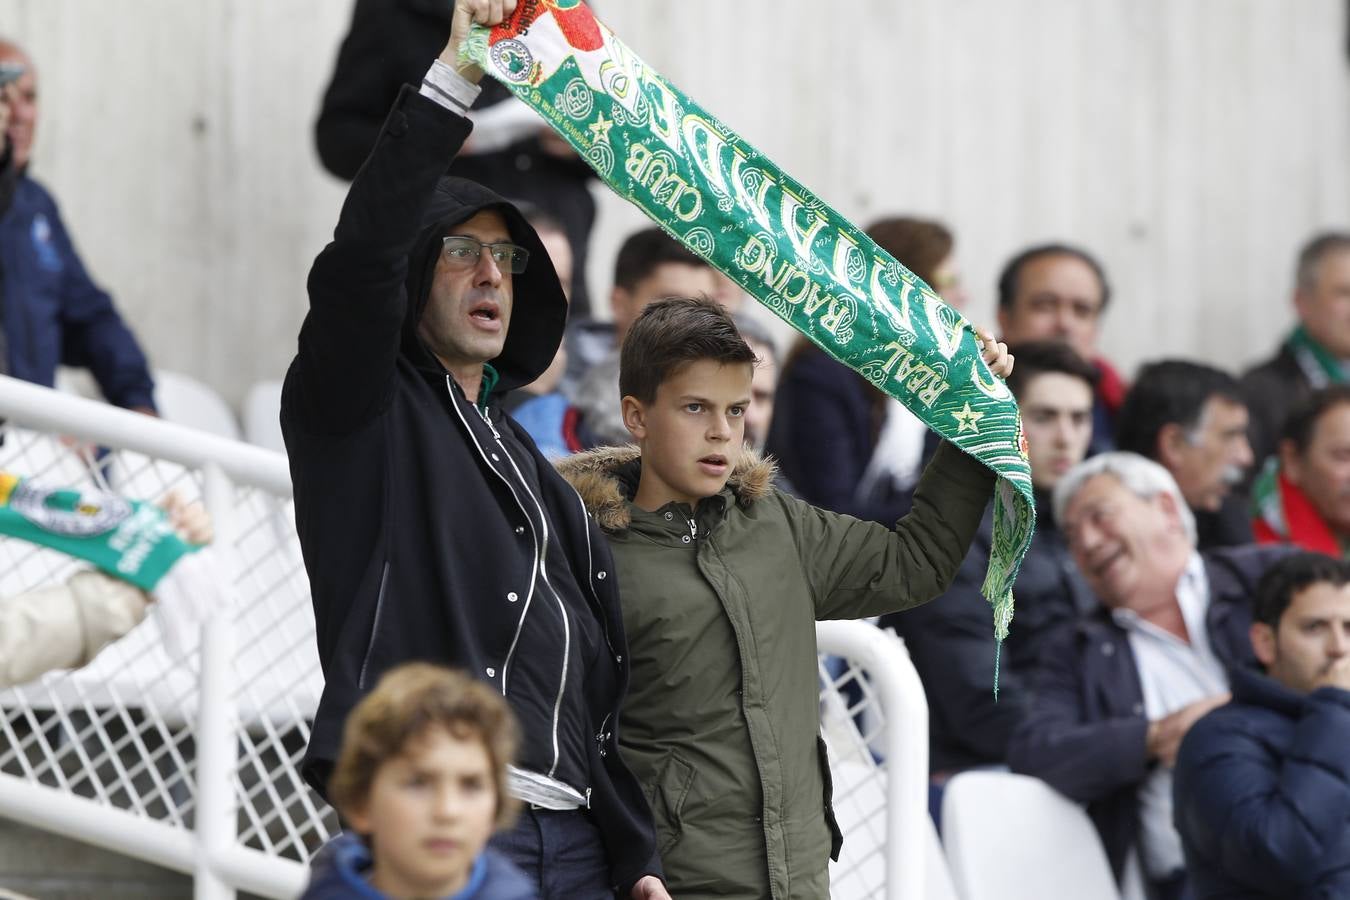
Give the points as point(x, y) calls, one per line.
point(859, 569)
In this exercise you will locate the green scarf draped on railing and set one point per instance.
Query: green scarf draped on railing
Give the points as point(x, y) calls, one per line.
point(128, 539)
point(723, 200)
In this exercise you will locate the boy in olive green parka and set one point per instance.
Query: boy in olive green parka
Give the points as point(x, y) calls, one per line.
point(721, 580)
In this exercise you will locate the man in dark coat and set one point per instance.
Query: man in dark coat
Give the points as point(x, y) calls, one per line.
point(1315, 354)
point(950, 640)
point(1192, 419)
point(1262, 786)
point(431, 526)
point(1115, 693)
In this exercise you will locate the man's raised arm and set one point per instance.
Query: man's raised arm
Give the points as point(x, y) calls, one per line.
point(343, 373)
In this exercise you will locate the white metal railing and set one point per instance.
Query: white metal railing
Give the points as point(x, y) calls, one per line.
point(191, 761)
point(874, 717)
point(188, 762)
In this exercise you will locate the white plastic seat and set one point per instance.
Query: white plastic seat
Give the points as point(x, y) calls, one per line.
point(1011, 837)
point(262, 416)
point(186, 401)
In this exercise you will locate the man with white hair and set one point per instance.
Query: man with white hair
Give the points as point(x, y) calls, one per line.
point(1119, 689)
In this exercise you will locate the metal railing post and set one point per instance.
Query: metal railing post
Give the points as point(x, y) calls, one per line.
point(216, 748)
point(886, 661)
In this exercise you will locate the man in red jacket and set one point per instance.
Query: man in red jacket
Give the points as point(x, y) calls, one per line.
point(1059, 292)
point(1305, 500)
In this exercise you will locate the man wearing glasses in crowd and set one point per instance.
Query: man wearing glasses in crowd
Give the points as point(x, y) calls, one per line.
point(431, 526)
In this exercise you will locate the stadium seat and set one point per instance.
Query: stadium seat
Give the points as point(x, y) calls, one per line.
point(262, 416)
point(1010, 837)
point(187, 401)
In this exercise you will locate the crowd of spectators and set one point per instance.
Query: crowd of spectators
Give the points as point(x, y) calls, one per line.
point(1176, 665)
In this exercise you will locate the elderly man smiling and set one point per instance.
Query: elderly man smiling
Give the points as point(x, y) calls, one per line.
point(1118, 691)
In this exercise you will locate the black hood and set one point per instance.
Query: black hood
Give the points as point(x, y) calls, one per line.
point(538, 308)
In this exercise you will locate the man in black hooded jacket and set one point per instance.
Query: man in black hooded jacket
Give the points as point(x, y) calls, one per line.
point(432, 528)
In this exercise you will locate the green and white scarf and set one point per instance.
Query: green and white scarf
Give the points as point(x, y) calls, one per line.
point(127, 539)
point(730, 205)
point(1318, 363)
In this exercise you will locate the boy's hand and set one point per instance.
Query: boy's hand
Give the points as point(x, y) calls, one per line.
point(469, 13)
point(649, 887)
point(995, 353)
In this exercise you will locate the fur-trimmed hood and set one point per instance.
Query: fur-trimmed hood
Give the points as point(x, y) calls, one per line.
point(607, 478)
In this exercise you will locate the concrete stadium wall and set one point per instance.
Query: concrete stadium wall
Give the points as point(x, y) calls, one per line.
point(1193, 144)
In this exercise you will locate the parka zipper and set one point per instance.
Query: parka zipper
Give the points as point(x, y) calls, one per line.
point(590, 584)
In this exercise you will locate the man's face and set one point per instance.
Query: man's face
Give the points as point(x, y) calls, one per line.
point(666, 280)
point(1324, 307)
point(692, 432)
point(1129, 548)
point(431, 811)
point(1322, 471)
point(1313, 633)
point(469, 309)
point(763, 390)
point(1210, 460)
point(1058, 298)
point(23, 97)
point(1057, 420)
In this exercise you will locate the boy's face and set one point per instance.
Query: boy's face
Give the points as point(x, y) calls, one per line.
point(1057, 420)
point(691, 433)
point(429, 813)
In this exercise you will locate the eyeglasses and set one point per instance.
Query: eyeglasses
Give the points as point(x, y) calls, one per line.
point(464, 252)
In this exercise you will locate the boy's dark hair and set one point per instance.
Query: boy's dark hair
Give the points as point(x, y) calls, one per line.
point(1036, 358)
point(1012, 272)
point(1172, 391)
point(1299, 427)
point(407, 703)
point(643, 251)
point(669, 335)
point(1291, 575)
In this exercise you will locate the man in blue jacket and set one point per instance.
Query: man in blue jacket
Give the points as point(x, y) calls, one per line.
point(51, 311)
point(1262, 785)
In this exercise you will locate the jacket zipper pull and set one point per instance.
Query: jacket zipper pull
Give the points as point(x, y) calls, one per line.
point(693, 529)
point(488, 420)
